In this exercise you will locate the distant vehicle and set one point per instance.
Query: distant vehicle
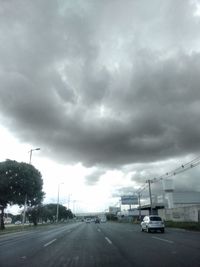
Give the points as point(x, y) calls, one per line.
point(152, 223)
point(103, 220)
point(88, 220)
point(97, 220)
point(18, 222)
point(7, 220)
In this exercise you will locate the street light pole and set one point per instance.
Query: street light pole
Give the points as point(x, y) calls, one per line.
point(57, 210)
point(69, 201)
point(31, 151)
point(139, 195)
point(151, 209)
point(25, 200)
point(74, 201)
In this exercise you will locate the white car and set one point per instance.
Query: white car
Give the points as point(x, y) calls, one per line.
point(152, 223)
point(103, 220)
point(18, 222)
point(88, 220)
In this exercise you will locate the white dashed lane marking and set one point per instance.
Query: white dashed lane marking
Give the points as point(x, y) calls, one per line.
point(164, 240)
point(108, 240)
point(49, 243)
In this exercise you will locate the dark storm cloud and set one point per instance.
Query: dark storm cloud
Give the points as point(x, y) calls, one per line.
point(105, 83)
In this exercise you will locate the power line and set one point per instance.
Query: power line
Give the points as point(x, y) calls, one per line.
point(141, 189)
point(184, 167)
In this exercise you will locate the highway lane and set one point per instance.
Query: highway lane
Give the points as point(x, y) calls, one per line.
point(16, 248)
point(173, 248)
point(106, 244)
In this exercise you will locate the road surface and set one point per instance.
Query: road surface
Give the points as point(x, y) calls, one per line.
point(99, 245)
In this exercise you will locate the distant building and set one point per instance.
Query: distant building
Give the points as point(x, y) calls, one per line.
point(177, 199)
point(174, 205)
point(114, 210)
point(182, 206)
point(189, 213)
point(186, 198)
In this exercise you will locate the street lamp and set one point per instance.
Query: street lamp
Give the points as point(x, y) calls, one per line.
point(57, 210)
point(139, 202)
point(69, 201)
point(74, 202)
point(150, 196)
point(25, 201)
point(38, 148)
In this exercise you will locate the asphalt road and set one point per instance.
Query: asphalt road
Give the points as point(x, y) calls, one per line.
point(99, 245)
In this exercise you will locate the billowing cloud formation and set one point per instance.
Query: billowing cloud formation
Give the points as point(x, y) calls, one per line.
point(94, 177)
point(105, 83)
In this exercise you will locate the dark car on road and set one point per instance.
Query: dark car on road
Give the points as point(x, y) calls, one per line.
point(97, 220)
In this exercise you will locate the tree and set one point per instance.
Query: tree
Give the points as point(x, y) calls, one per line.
point(64, 213)
point(35, 213)
point(48, 212)
point(19, 181)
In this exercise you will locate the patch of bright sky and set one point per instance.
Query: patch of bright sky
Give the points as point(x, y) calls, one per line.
point(11, 148)
point(103, 112)
point(117, 49)
point(197, 11)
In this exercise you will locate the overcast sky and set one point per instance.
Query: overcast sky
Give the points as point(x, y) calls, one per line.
point(109, 90)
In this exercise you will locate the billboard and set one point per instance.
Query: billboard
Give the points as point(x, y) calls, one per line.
point(129, 200)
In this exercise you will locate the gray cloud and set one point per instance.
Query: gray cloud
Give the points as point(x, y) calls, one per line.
point(94, 177)
point(105, 83)
point(124, 191)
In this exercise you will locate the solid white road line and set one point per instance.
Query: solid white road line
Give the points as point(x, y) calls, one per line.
point(49, 243)
point(108, 240)
point(162, 239)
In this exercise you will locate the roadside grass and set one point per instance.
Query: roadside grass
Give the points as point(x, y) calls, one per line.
point(12, 229)
point(20, 228)
point(194, 226)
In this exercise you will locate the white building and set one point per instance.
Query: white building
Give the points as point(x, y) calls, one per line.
point(176, 206)
point(179, 206)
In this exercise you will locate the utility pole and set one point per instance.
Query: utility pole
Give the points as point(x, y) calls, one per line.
point(31, 151)
point(74, 202)
point(69, 201)
point(149, 182)
point(25, 201)
point(139, 194)
point(57, 209)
